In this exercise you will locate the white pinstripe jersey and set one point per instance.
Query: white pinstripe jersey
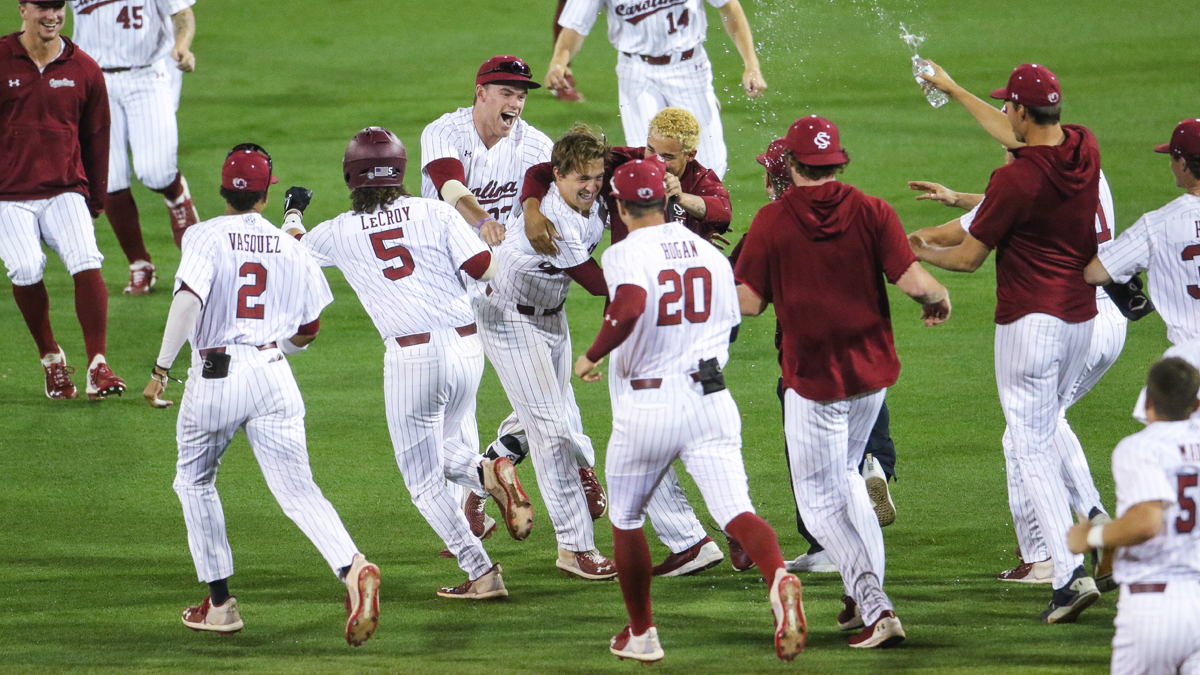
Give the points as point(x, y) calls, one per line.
point(126, 33)
point(1165, 242)
point(529, 278)
point(1161, 463)
point(1105, 223)
point(257, 284)
point(646, 27)
point(691, 301)
point(402, 261)
point(495, 174)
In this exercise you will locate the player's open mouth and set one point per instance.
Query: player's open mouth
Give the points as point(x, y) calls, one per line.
point(508, 118)
point(586, 196)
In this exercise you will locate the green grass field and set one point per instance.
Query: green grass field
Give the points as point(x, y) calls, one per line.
point(94, 567)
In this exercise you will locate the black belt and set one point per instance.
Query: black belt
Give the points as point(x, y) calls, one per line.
point(661, 60)
point(1147, 588)
point(534, 311)
point(424, 338)
point(122, 69)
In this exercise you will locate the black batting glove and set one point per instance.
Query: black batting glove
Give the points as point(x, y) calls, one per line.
point(297, 198)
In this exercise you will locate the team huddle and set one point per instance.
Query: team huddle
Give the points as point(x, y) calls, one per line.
point(480, 265)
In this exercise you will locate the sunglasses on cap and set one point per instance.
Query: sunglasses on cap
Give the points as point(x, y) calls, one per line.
point(252, 147)
point(510, 68)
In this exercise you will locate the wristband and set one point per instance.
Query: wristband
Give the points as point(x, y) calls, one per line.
point(1095, 537)
point(479, 225)
point(292, 221)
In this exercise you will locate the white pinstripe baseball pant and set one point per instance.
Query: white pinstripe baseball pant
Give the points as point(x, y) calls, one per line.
point(1039, 359)
point(428, 389)
point(142, 104)
point(654, 427)
point(643, 90)
point(65, 224)
point(260, 395)
point(1158, 633)
point(1108, 338)
point(826, 441)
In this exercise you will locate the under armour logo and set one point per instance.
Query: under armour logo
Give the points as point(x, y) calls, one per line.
point(240, 183)
point(14, 83)
point(822, 140)
point(1053, 97)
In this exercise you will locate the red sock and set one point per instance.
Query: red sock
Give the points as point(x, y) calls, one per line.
point(91, 306)
point(759, 542)
point(632, 555)
point(173, 190)
point(34, 303)
point(123, 216)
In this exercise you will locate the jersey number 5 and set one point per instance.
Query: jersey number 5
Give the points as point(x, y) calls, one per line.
point(1187, 505)
point(130, 17)
point(384, 252)
point(685, 288)
point(250, 292)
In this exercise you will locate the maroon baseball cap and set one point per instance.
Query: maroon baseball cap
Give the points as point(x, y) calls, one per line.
point(638, 181)
point(506, 70)
point(1185, 140)
point(1031, 84)
point(775, 160)
point(814, 141)
point(247, 170)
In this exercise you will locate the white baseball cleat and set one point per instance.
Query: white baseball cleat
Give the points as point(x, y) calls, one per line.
point(362, 600)
point(818, 562)
point(787, 606)
point(877, 487)
point(1041, 572)
point(489, 585)
point(885, 632)
point(703, 555)
point(644, 647)
point(220, 619)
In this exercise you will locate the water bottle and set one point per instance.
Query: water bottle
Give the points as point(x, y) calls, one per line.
point(936, 97)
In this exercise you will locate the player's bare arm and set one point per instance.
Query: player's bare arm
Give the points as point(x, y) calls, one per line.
point(585, 369)
point(965, 257)
point(944, 195)
point(565, 48)
point(1141, 523)
point(1095, 273)
point(939, 236)
point(184, 22)
point(918, 284)
point(991, 119)
point(733, 18)
point(750, 303)
point(538, 228)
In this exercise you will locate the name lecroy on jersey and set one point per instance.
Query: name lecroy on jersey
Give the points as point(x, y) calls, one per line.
point(253, 243)
point(384, 218)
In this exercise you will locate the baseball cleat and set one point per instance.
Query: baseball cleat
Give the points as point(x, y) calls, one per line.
point(877, 487)
point(644, 647)
point(220, 619)
point(58, 376)
point(1069, 601)
point(182, 212)
point(490, 585)
point(818, 562)
point(142, 277)
point(850, 618)
point(569, 94)
point(1102, 559)
point(101, 382)
point(500, 480)
point(586, 564)
point(597, 500)
point(362, 600)
point(703, 555)
point(1041, 572)
point(482, 525)
point(885, 632)
point(791, 629)
point(738, 558)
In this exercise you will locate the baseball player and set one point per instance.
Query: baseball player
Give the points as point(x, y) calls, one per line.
point(136, 43)
point(1039, 214)
point(569, 93)
point(1108, 338)
point(246, 296)
point(402, 256)
point(1157, 474)
point(1165, 242)
point(673, 312)
point(54, 131)
point(804, 253)
point(661, 62)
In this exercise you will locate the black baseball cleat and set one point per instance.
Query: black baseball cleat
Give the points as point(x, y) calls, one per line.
point(1070, 600)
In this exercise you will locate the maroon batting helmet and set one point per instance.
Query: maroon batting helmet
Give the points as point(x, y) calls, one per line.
point(374, 158)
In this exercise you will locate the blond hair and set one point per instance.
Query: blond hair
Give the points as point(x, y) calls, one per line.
point(679, 124)
point(577, 148)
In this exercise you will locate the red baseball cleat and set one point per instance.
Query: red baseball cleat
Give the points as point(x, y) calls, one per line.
point(58, 377)
point(102, 382)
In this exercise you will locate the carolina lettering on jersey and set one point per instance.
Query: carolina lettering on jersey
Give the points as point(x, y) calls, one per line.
point(494, 192)
point(89, 6)
point(253, 243)
point(674, 250)
point(638, 11)
point(384, 218)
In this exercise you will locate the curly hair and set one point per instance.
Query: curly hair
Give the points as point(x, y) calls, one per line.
point(679, 124)
point(371, 199)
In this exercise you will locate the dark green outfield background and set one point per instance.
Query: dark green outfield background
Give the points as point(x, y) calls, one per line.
point(94, 567)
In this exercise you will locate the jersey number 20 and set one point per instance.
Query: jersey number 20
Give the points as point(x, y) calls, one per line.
point(384, 252)
point(685, 288)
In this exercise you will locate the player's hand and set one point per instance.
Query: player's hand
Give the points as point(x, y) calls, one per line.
point(556, 76)
point(1077, 536)
point(541, 233)
point(585, 369)
point(720, 242)
point(934, 191)
point(672, 186)
point(492, 232)
point(936, 312)
point(753, 82)
point(185, 60)
point(941, 80)
point(153, 393)
point(297, 198)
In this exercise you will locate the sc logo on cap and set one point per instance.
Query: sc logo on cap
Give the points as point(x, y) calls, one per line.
point(240, 183)
point(1053, 97)
point(822, 140)
point(645, 192)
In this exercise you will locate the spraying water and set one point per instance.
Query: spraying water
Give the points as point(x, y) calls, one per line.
point(936, 97)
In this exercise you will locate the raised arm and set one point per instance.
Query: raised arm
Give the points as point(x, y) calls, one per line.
point(184, 22)
point(991, 119)
point(738, 28)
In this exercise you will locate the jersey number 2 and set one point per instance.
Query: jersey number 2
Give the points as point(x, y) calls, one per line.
point(384, 252)
point(250, 291)
point(130, 17)
point(1187, 505)
point(685, 288)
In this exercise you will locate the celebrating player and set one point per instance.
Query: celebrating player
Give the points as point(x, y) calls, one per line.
point(805, 254)
point(1158, 544)
point(1039, 213)
point(673, 313)
point(131, 42)
point(54, 129)
point(661, 62)
point(244, 297)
